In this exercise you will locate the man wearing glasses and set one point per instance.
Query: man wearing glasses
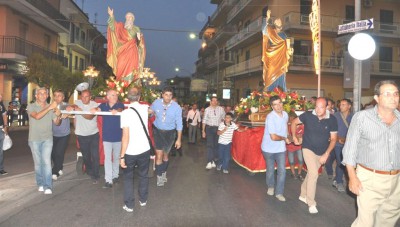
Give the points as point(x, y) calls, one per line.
point(168, 121)
point(372, 158)
point(213, 116)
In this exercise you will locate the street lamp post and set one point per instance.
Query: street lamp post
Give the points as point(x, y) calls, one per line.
point(204, 44)
point(91, 74)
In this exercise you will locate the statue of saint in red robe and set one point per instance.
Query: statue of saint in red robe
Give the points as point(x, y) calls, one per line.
point(126, 50)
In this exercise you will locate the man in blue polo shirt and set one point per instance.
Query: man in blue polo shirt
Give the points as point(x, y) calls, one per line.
point(112, 135)
point(273, 147)
point(319, 139)
point(168, 122)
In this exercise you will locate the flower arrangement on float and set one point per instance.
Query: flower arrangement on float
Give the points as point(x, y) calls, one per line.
point(122, 87)
point(258, 102)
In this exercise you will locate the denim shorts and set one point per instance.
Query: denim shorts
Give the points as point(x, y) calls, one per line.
point(164, 139)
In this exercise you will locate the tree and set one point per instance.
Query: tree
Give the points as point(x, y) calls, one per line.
point(52, 74)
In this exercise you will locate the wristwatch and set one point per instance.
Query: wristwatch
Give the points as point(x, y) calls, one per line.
point(122, 157)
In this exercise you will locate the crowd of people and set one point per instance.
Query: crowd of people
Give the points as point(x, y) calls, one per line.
point(364, 145)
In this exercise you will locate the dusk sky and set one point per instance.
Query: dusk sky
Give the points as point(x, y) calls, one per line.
point(166, 25)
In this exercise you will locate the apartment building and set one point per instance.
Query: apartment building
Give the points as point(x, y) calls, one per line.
point(57, 29)
point(26, 27)
point(234, 38)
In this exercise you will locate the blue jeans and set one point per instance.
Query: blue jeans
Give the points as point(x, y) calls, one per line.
point(89, 146)
point(212, 143)
point(224, 151)
point(299, 154)
point(339, 167)
point(142, 161)
point(1, 149)
point(41, 153)
point(329, 163)
point(270, 159)
point(111, 160)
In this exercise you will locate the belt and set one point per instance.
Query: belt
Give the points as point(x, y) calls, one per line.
point(391, 172)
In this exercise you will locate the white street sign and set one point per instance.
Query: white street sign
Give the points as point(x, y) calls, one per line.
point(356, 26)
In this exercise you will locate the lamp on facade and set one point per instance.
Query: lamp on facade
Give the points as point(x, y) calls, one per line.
point(91, 74)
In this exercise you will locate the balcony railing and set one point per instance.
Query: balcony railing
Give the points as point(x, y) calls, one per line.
point(221, 7)
point(251, 65)
point(50, 11)
point(253, 28)
point(16, 45)
point(330, 24)
point(237, 8)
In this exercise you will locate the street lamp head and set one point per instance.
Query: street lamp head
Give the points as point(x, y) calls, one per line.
point(176, 69)
point(192, 36)
point(361, 46)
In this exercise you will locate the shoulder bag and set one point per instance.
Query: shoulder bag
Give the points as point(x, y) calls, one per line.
point(152, 151)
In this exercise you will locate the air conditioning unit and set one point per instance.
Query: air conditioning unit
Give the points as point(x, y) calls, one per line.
point(367, 3)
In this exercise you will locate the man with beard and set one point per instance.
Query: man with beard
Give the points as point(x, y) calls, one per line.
point(126, 51)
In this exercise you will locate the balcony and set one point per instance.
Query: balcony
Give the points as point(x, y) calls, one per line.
point(224, 33)
point(246, 36)
point(225, 60)
point(80, 46)
point(245, 67)
point(300, 22)
point(15, 48)
point(41, 12)
point(384, 68)
point(220, 13)
point(243, 7)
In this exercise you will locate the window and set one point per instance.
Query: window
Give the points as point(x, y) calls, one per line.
point(350, 11)
point(305, 7)
point(81, 63)
point(76, 63)
point(305, 10)
point(385, 59)
point(23, 30)
point(386, 19)
point(47, 41)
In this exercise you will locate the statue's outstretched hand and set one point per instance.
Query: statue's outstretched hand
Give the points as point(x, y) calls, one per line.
point(110, 12)
point(268, 14)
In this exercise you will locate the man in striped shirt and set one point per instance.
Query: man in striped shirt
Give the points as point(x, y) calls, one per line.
point(213, 116)
point(372, 145)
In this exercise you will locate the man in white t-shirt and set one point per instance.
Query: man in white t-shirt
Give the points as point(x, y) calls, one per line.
point(135, 149)
point(88, 134)
point(192, 121)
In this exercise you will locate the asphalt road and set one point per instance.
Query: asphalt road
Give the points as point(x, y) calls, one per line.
point(193, 196)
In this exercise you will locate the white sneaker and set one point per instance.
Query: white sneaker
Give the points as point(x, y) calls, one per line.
point(225, 171)
point(303, 199)
point(213, 164)
point(313, 209)
point(54, 177)
point(129, 210)
point(209, 165)
point(270, 191)
point(41, 189)
point(60, 172)
point(160, 181)
point(143, 204)
point(164, 177)
point(281, 198)
point(48, 192)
